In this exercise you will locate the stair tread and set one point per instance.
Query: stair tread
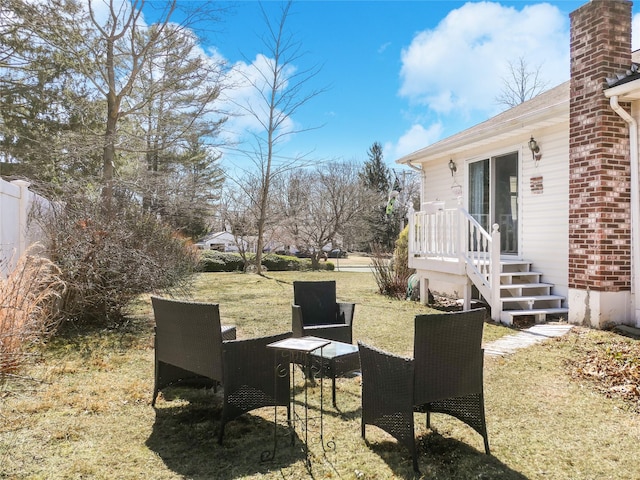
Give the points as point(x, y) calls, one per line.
point(509, 286)
point(525, 298)
point(516, 274)
point(536, 311)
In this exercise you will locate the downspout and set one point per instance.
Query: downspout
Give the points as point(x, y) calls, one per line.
point(635, 206)
point(411, 165)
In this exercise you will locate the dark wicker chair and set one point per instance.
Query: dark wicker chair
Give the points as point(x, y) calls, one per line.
point(445, 376)
point(191, 349)
point(315, 312)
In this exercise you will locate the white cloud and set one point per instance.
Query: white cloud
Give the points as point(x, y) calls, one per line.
point(383, 47)
point(415, 138)
point(635, 27)
point(458, 66)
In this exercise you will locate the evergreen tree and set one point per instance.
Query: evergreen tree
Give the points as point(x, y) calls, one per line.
point(382, 228)
point(177, 91)
point(47, 115)
point(375, 174)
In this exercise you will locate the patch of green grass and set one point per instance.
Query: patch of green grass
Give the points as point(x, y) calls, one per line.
point(91, 416)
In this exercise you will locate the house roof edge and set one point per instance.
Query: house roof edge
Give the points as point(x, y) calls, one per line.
point(537, 112)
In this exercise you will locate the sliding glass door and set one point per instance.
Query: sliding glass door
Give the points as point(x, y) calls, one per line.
point(493, 197)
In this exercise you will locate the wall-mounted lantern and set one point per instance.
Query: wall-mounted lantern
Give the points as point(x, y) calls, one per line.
point(535, 150)
point(452, 167)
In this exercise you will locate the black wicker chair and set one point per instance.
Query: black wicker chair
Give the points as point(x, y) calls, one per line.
point(315, 312)
point(445, 376)
point(192, 349)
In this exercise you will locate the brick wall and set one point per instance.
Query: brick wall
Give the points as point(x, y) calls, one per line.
point(599, 214)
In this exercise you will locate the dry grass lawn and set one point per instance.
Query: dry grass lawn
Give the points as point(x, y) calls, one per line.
point(90, 416)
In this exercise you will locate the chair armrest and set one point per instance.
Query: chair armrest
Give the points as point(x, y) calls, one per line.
point(228, 332)
point(249, 363)
point(387, 392)
point(386, 375)
point(345, 312)
point(249, 377)
point(336, 332)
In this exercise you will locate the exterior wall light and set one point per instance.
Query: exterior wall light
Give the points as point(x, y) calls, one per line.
point(535, 150)
point(452, 167)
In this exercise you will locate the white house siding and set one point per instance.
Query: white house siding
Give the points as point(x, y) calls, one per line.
point(437, 182)
point(545, 228)
point(544, 225)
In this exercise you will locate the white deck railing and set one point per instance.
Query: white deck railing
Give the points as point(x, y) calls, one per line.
point(435, 234)
point(454, 233)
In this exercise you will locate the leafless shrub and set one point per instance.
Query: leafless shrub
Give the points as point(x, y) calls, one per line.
point(392, 275)
point(389, 282)
point(29, 298)
point(108, 259)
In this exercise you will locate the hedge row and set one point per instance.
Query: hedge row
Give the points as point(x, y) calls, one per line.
point(214, 261)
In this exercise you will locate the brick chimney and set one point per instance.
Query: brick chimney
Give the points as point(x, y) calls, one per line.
point(599, 169)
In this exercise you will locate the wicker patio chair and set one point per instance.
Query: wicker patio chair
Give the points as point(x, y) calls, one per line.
point(444, 376)
point(315, 312)
point(191, 350)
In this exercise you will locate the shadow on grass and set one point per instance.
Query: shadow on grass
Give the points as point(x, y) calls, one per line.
point(185, 437)
point(443, 458)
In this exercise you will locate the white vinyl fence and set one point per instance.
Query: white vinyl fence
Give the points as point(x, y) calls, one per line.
point(16, 232)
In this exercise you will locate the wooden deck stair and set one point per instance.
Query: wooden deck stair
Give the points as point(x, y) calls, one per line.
point(522, 293)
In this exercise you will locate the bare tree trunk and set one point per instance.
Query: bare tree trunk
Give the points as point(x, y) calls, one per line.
point(283, 96)
point(266, 184)
point(109, 151)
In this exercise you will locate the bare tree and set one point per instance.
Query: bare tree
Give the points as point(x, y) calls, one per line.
point(281, 88)
point(121, 59)
point(238, 210)
point(318, 205)
point(521, 84)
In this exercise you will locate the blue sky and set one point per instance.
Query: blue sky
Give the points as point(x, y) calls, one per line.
point(402, 73)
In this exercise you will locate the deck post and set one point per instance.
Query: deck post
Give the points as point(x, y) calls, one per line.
point(467, 294)
point(496, 270)
point(412, 230)
point(424, 290)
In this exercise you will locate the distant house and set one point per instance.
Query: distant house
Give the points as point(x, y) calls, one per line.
point(537, 210)
point(223, 242)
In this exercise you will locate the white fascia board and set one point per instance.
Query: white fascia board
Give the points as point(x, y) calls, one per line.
point(489, 132)
point(627, 92)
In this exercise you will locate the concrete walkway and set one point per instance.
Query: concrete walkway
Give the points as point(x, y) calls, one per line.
point(525, 338)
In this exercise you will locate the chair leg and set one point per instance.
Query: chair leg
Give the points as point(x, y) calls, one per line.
point(415, 462)
point(221, 434)
point(486, 445)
